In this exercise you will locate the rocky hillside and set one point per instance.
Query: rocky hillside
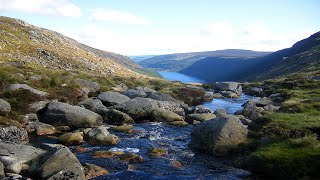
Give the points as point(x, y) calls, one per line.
point(23, 42)
point(301, 57)
point(179, 61)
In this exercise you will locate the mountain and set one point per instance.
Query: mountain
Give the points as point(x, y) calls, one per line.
point(180, 61)
point(24, 42)
point(138, 59)
point(301, 57)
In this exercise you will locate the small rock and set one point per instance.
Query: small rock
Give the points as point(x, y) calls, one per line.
point(199, 117)
point(32, 117)
point(38, 106)
point(217, 95)
point(176, 164)
point(158, 152)
point(122, 128)
point(131, 158)
point(71, 139)
point(88, 86)
point(178, 123)
point(133, 93)
point(101, 136)
point(4, 107)
point(120, 88)
point(107, 154)
point(40, 128)
point(92, 171)
point(95, 105)
point(116, 117)
point(202, 109)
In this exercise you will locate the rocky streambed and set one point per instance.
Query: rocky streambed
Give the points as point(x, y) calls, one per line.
point(131, 134)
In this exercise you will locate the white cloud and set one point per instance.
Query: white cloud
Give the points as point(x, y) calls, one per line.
point(108, 15)
point(43, 7)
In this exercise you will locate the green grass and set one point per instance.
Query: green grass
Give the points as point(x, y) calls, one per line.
point(289, 159)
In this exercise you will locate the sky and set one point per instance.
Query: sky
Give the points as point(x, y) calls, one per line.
point(153, 27)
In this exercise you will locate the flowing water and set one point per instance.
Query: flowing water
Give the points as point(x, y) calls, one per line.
point(180, 162)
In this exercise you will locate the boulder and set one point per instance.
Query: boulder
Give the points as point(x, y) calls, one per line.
point(14, 134)
point(229, 94)
point(220, 112)
point(202, 109)
point(57, 163)
point(218, 136)
point(162, 97)
point(40, 128)
point(71, 139)
point(95, 105)
point(208, 96)
point(100, 136)
point(163, 115)
point(116, 117)
point(178, 123)
point(32, 117)
point(110, 98)
point(264, 102)
point(14, 87)
point(88, 86)
point(2, 175)
point(217, 95)
point(190, 118)
point(4, 107)
point(58, 113)
point(226, 86)
point(254, 91)
point(133, 93)
point(138, 108)
point(147, 90)
point(15, 157)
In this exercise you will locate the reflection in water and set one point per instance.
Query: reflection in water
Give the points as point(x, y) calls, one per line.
point(175, 76)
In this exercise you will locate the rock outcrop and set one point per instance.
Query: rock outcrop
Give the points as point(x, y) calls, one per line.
point(14, 87)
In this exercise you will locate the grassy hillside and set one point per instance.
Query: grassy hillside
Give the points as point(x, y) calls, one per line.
point(179, 61)
point(23, 42)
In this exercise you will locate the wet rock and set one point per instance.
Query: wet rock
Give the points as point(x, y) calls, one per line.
point(208, 96)
point(133, 93)
point(101, 136)
point(40, 128)
point(71, 139)
point(199, 117)
point(57, 163)
point(107, 154)
point(157, 152)
point(5, 107)
point(14, 87)
point(163, 115)
point(131, 158)
point(122, 128)
point(92, 171)
point(116, 117)
point(218, 136)
point(178, 123)
point(58, 113)
point(220, 112)
point(176, 164)
point(138, 108)
point(110, 98)
point(202, 109)
point(15, 156)
point(14, 134)
point(95, 105)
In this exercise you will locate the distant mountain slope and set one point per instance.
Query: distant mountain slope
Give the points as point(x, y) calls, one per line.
point(179, 61)
point(140, 58)
point(21, 41)
point(301, 57)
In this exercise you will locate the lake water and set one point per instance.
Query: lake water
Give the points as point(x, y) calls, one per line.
point(175, 76)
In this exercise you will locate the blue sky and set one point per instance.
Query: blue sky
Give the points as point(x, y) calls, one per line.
point(137, 27)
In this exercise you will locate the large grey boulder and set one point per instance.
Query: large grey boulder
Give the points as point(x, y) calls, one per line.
point(58, 113)
point(13, 134)
point(162, 97)
point(5, 107)
point(95, 105)
point(138, 108)
point(16, 157)
point(58, 163)
point(88, 86)
point(133, 93)
point(174, 107)
point(100, 136)
point(218, 136)
point(110, 98)
point(14, 87)
point(163, 115)
point(226, 86)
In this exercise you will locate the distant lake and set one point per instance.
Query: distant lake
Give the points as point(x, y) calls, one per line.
point(175, 76)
